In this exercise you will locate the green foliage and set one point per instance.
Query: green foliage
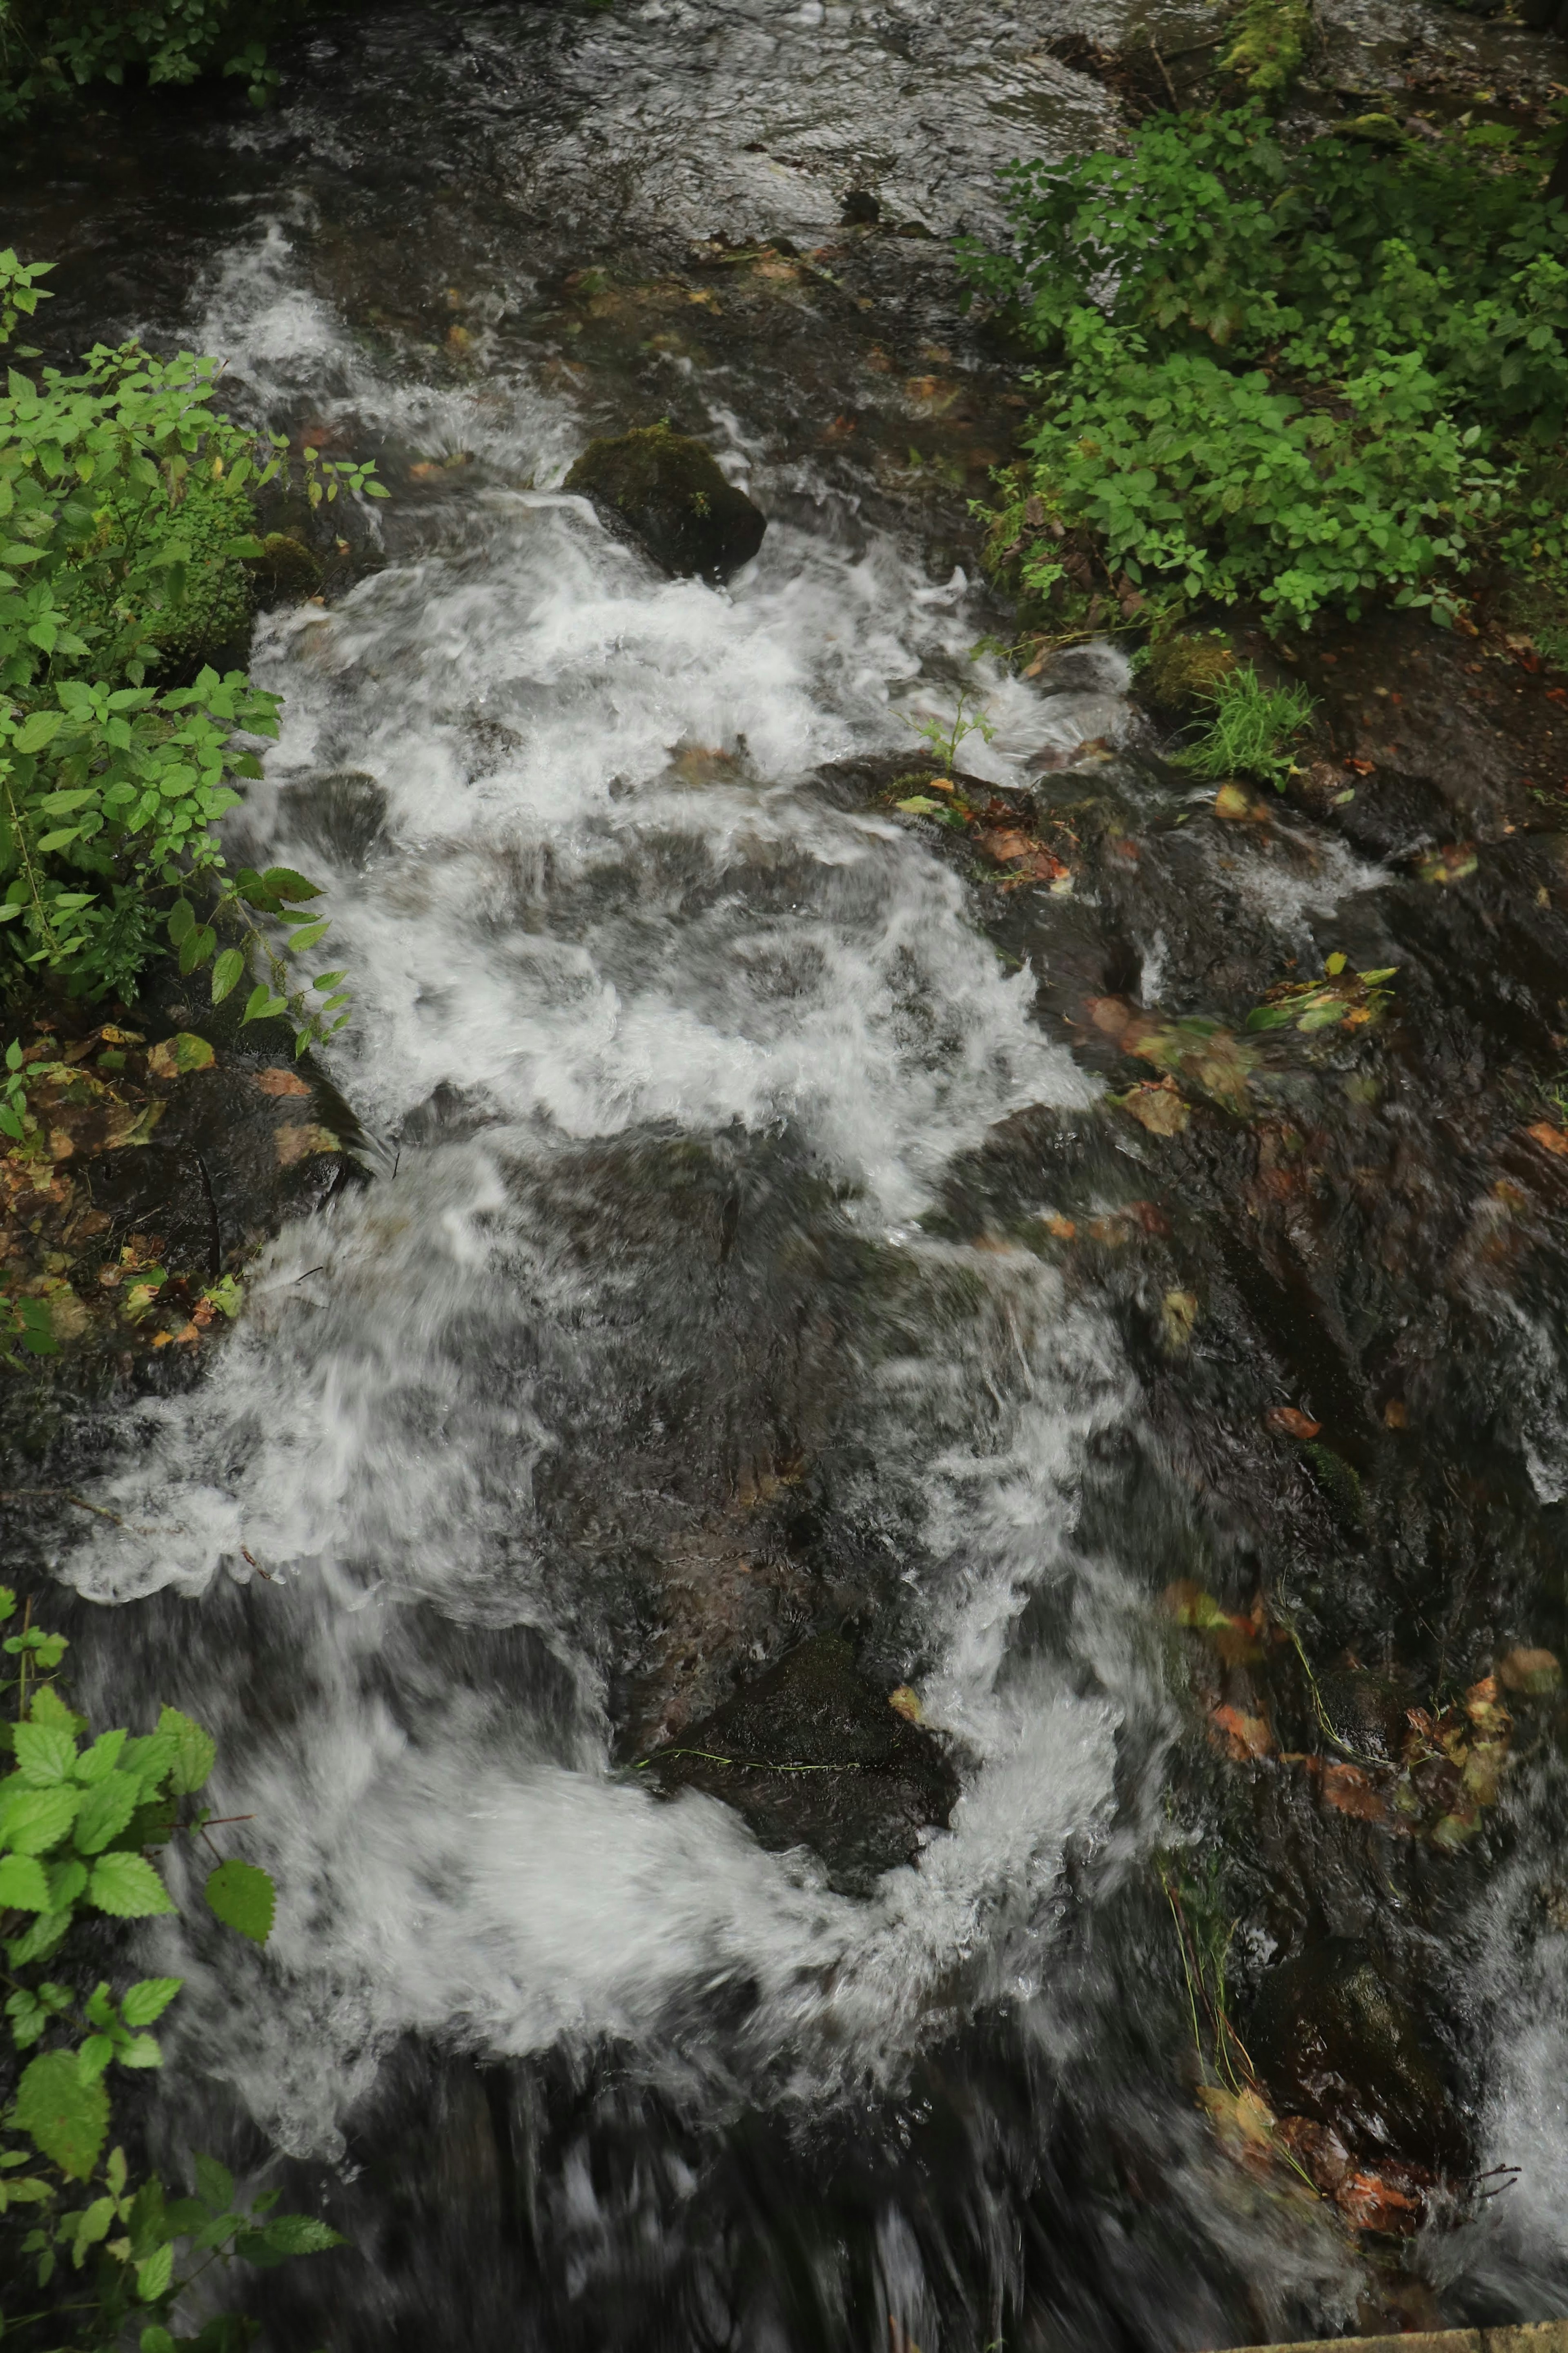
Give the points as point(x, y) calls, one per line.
point(945, 739)
point(124, 516)
point(51, 48)
point(1304, 374)
point(1250, 730)
point(1268, 41)
point(75, 1823)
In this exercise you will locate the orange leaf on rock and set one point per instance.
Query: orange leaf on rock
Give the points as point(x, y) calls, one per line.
point(1550, 1138)
point(1351, 1791)
point(1534, 1673)
point(1245, 1738)
point(1371, 2204)
point(279, 1082)
point(1288, 1422)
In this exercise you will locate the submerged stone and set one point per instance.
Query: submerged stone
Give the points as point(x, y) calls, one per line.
point(1334, 2041)
point(667, 490)
point(814, 1755)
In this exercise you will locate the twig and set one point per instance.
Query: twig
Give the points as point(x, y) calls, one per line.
point(63, 1495)
point(1165, 76)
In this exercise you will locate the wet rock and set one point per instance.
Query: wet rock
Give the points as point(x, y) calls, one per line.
point(285, 573)
point(341, 817)
point(861, 209)
point(814, 1755)
point(1334, 2041)
point(666, 490)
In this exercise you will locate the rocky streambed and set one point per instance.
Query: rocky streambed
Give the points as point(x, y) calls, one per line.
point(881, 1541)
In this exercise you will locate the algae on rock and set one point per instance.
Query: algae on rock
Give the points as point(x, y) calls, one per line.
point(667, 490)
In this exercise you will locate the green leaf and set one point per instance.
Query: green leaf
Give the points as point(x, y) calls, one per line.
point(23, 1886)
point(37, 1819)
point(106, 1807)
point(66, 2118)
point(97, 1762)
point(243, 1897)
point(39, 729)
point(227, 972)
point(156, 2340)
point(142, 2051)
point(194, 1751)
point(215, 2184)
point(283, 882)
point(127, 1886)
point(94, 2055)
point(146, 2001)
point(45, 1752)
point(181, 917)
point(154, 2275)
point(300, 2234)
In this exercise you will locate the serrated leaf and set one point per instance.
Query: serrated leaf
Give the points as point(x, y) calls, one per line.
point(96, 1763)
point(106, 1809)
point(146, 2001)
point(45, 1752)
point(215, 2184)
point(243, 1898)
point(127, 1886)
point(300, 2234)
point(22, 1885)
point(194, 1751)
point(39, 729)
point(184, 1052)
point(37, 1819)
point(66, 2118)
point(283, 882)
point(142, 2051)
point(227, 972)
point(154, 2274)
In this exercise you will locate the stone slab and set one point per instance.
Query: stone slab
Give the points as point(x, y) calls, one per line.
point(1531, 2337)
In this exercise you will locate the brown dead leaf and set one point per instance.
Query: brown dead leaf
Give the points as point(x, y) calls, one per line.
point(1288, 1422)
point(1235, 802)
point(1534, 1673)
point(1369, 2202)
point(1245, 1737)
point(1351, 1791)
point(1550, 1138)
point(295, 1143)
point(1113, 1014)
point(279, 1081)
point(1157, 1105)
point(1062, 1228)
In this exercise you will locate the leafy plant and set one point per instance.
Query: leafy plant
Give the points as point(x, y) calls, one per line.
point(77, 1823)
point(1251, 730)
point(124, 506)
point(1306, 374)
point(49, 49)
point(945, 739)
point(1342, 1000)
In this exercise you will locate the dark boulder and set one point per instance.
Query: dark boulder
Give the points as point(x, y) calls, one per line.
point(666, 490)
point(814, 1755)
point(1334, 2041)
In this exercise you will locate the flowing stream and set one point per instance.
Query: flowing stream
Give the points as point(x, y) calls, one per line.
point(664, 1054)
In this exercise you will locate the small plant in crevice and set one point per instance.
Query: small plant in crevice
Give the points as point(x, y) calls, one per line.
point(90, 2255)
point(1249, 730)
point(945, 737)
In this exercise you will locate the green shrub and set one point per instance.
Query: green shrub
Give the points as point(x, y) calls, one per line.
point(80, 2241)
point(124, 535)
point(51, 48)
point(1305, 375)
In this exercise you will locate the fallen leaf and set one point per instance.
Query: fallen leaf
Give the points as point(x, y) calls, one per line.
point(1245, 1738)
point(1288, 1422)
point(1062, 1228)
point(1394, 1415)
point(1534, 1673)
point(1350, 1791)
point(1370, 2204)
point(296, 1144)
point(1157, 1105)
point(1550, 1138)
point(175, 1056)
point(279, 1081)
point(1233, 801)
point(1113, 1014)
point(906, 1701)
point(1178, 1315)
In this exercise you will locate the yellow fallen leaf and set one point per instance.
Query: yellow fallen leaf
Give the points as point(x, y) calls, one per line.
point(906, 1701)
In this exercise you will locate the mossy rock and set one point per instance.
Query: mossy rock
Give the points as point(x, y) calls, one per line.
point(1183, 670)
point(811, 1754)
point(285, 573)
point(666, 490)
